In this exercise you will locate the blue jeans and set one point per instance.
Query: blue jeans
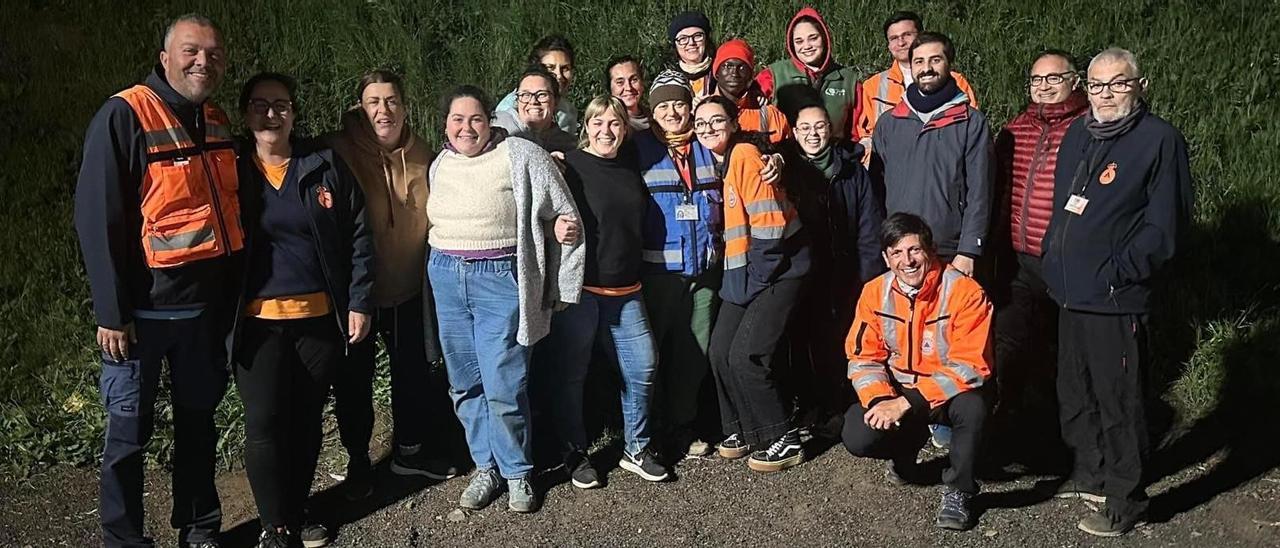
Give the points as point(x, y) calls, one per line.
point(197, 380)
point(624, 327)
point(478, 307)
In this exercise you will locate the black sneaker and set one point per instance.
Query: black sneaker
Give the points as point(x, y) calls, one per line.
point(733, 447)
point(645, 465)
point(314, 535)
point(1105, 523)
point(581, 473)
point(781, 455)
point(420, 464)
point(359, 481)
point(272, 537)
point(202, 544)
point(956, 512)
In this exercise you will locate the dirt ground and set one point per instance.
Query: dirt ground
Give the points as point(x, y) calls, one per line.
point(833, 500)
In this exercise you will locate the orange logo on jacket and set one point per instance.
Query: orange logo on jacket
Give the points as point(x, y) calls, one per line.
point(1108, 174)
point(324, 196)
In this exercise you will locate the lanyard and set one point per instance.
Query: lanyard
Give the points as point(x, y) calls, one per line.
point(1087, 166)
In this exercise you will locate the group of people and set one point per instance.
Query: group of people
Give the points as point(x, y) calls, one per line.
point(823, 246)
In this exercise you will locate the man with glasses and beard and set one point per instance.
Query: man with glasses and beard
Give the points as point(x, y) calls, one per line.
point(1122, 201)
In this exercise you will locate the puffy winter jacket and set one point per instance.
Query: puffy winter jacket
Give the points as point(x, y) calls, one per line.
point(1027, 153)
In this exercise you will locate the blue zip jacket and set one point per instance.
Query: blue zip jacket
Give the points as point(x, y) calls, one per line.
point(689, 247)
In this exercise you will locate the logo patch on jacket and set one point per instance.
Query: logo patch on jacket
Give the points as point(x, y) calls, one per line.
point(1108, 174)
point(926, 345)
point(324, 196)
point(732, 199)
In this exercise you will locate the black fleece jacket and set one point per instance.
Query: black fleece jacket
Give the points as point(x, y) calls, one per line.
point(1138, 187)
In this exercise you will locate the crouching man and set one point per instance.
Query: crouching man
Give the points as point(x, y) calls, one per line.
point(919, 352)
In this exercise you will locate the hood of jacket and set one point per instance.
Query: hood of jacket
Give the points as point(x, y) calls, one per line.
point(826, 38)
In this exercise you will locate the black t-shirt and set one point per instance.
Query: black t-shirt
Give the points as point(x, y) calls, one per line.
point(612, 200)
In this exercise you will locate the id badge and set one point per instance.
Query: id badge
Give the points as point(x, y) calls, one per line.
point(1076, 204)
point(686, 212)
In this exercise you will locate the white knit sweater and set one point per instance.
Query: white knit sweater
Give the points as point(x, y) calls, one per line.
point(546, 272)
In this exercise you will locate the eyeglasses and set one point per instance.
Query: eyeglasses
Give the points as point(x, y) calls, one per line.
point(697, 37)
point(527, 97)
point(1125, 85)
point(716, 123)
point(820, 127)
point(1051, 79)
point(260, 107)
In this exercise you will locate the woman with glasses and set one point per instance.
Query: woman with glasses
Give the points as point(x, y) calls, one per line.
point(842, 210)
point(306, 297)
point(693, 51)
point(611, 198)
point(537, 97)
point(555, 54)
point(503, 255)
point(766, 257)
point(682, 251)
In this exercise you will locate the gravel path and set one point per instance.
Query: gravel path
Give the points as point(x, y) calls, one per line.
point(833, 500)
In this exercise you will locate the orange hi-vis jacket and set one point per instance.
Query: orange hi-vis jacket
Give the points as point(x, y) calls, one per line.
point(762, 242)
point(190, 210)
point(756, 114)
point(938, 344)
point(883, 91)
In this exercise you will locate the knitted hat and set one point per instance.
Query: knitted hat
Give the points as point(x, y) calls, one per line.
point(734, 49)
point(685, 20)
point(670, 85)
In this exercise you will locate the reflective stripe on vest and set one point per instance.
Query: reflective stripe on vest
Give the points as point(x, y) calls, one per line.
point(189, 207)
point(882, 93)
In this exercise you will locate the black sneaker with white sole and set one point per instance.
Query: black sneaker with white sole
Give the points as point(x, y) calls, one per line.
point(581, 473)
point(313, 535)
point(645, 465)
point(733, 447)
point(781, 454)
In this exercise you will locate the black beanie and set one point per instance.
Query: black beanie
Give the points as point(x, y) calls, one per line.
point(685, 20)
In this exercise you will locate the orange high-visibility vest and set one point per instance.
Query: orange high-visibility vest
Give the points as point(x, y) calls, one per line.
point(189, 206)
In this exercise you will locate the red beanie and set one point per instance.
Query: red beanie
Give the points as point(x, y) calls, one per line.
point(734, 49)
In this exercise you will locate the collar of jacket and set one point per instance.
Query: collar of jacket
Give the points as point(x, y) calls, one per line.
point(1057, 113)
point(895, 73)
point(955, 114)
point(932, 281)
point(159, 84)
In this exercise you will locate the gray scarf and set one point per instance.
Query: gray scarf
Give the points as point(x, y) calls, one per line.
point(1105, 131)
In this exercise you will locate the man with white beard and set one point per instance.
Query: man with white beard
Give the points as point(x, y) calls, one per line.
point(1122, 200)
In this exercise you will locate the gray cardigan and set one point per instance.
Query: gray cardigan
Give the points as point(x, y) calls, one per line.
point(547, 273)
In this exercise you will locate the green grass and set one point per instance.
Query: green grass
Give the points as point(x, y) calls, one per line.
point(1213, 71)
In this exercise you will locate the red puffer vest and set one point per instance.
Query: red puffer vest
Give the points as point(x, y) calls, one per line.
point(1036, 132)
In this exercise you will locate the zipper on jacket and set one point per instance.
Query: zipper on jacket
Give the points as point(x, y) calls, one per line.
point(911, 334)
point(1037, 159)
point(213, 185)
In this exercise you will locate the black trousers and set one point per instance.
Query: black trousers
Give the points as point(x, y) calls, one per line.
point(749, 384)
point(283, 375)
point(420, 406)
point(966, 414)
point(1101, 374)
point(197, 371)
point(816, 336)
point(1026, 334)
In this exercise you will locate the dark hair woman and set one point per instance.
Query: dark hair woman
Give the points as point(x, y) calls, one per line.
point(307, 281)
point(555, 54)
point(766, 257)
point(496, 275)
point(390, 162)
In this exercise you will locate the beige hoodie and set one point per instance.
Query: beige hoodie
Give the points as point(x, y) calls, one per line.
point(395, 192)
